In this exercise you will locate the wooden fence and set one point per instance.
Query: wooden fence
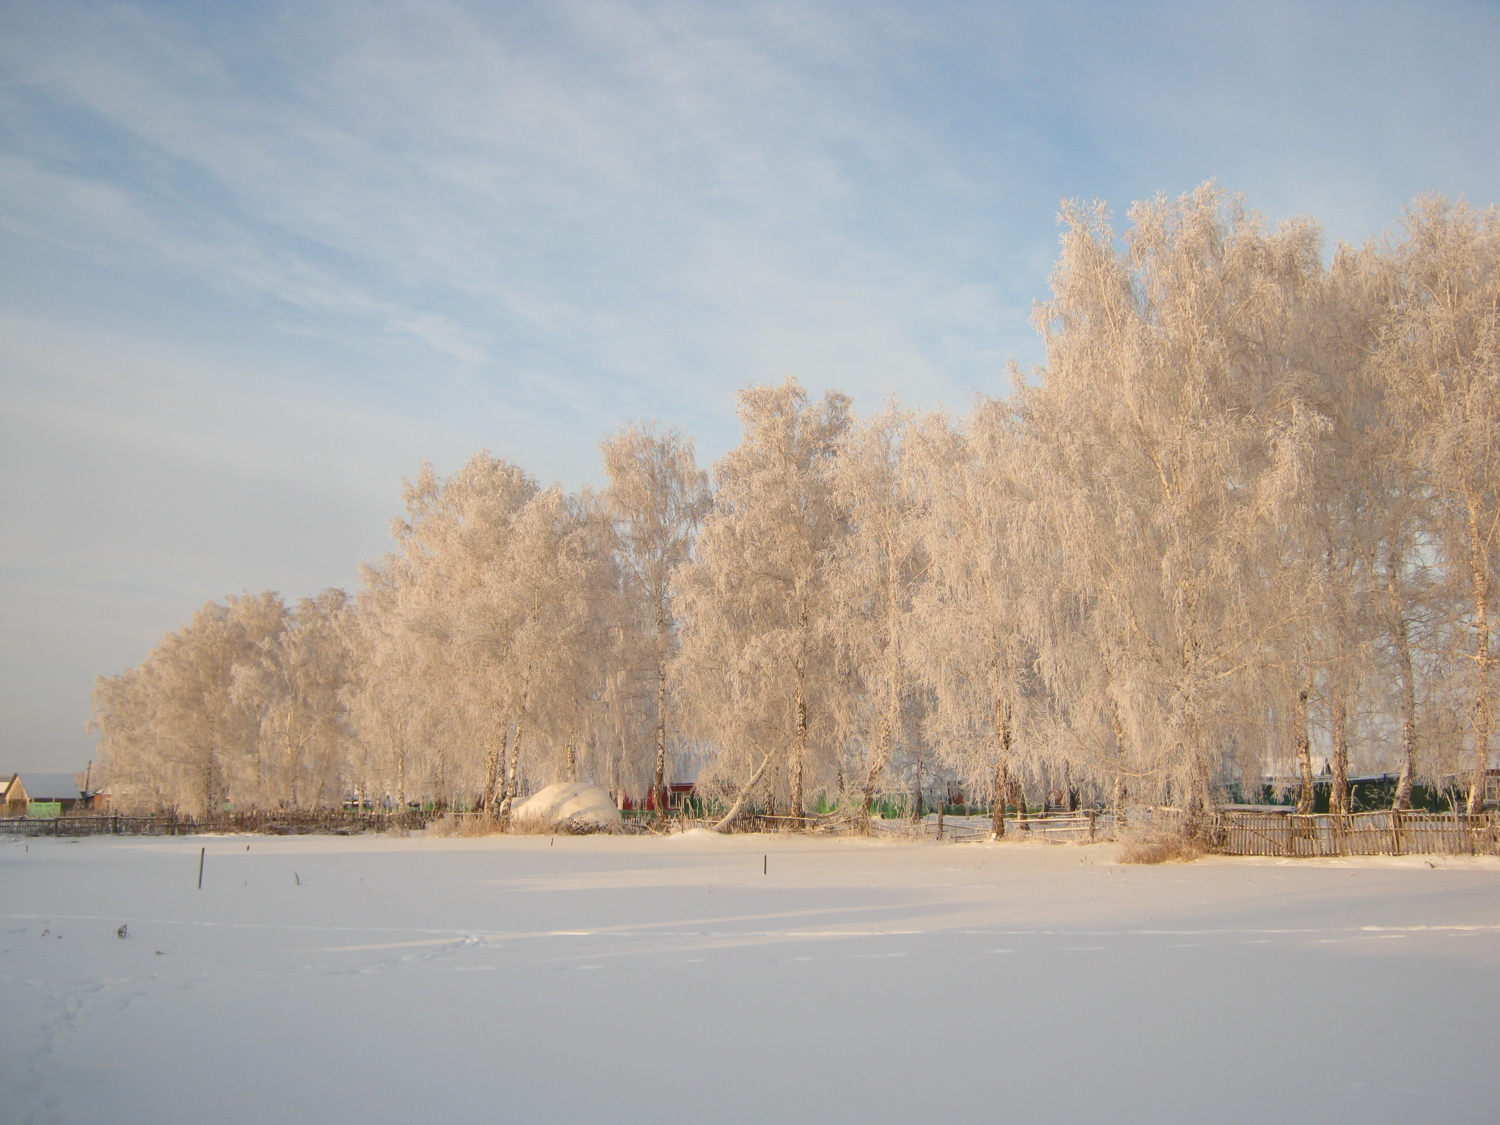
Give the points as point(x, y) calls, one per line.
point(1081, 827)
point(91, 825)
point(337, 822)
point(1240, 832)
point(1226, 831)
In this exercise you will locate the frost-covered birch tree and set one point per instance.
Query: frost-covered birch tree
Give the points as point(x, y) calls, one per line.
point(756, 668)
point(874, 573)
point(548, 581)
point(292, 685)
point(973, 621)
point(175, 729)
point(1441, 353)
point(656, 498)
point(492, 610)
point(1170, 420)
point(439, 617)
point(1248, 508)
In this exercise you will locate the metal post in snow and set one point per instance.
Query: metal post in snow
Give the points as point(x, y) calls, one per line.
point(201, 853)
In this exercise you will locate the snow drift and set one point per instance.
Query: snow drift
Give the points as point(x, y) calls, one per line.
point(568, 806)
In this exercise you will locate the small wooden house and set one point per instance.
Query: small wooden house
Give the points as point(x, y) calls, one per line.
point(43, 794)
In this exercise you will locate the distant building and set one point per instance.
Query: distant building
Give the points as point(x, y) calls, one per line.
point(45, 794)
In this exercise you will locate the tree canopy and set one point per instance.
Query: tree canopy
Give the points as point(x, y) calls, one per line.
point(1245, 518)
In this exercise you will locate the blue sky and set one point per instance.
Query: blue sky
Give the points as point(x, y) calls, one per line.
point(262, 260)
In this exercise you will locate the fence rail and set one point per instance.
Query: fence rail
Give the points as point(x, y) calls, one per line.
point(93, 825)
point(1371, 833)
point(1243, 832)
point(1084, 827)
point(1226, 832)
point(325, 822)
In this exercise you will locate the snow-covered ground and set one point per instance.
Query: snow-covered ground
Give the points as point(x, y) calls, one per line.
point(531, 979)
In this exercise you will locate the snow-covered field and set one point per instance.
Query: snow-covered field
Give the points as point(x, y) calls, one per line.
point(529, 979)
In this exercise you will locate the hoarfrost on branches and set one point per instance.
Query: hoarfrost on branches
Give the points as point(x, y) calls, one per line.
point(1244, 522)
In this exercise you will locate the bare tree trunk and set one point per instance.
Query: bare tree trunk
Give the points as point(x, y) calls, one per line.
point(1304, 753)
point(744, 794)
point(400, 779)
point(1483, 662)
point(494, 759)
point(1338, 797)
point(292, 756)
point(508, 798)
point(659, 777)
point(1000, 790)
point(1482, 725)
point(1002, 769)
point(916, 805)
point(1198, 801)
point(1402, 799)
point(510, 776)
point(1120, 793)
point(211, 783)
point(883, 743)
point(773, 778)
point(208, 789)
point(799, 751)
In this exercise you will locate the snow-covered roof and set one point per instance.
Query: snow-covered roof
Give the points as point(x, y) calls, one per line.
point(50, 786)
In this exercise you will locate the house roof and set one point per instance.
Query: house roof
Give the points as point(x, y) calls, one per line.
point(50, 786)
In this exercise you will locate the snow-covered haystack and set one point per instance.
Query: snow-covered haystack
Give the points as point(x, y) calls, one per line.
point(568, 806)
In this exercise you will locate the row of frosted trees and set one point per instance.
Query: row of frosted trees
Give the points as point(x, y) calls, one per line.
point(1242, 524)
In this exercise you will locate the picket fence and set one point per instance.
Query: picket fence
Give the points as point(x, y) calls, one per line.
point(1241, 832)
point(1290, 835)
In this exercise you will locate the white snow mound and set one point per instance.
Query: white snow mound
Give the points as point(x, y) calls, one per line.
point(569, 806)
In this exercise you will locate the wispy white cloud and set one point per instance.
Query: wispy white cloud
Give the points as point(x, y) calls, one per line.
point(571, 191)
